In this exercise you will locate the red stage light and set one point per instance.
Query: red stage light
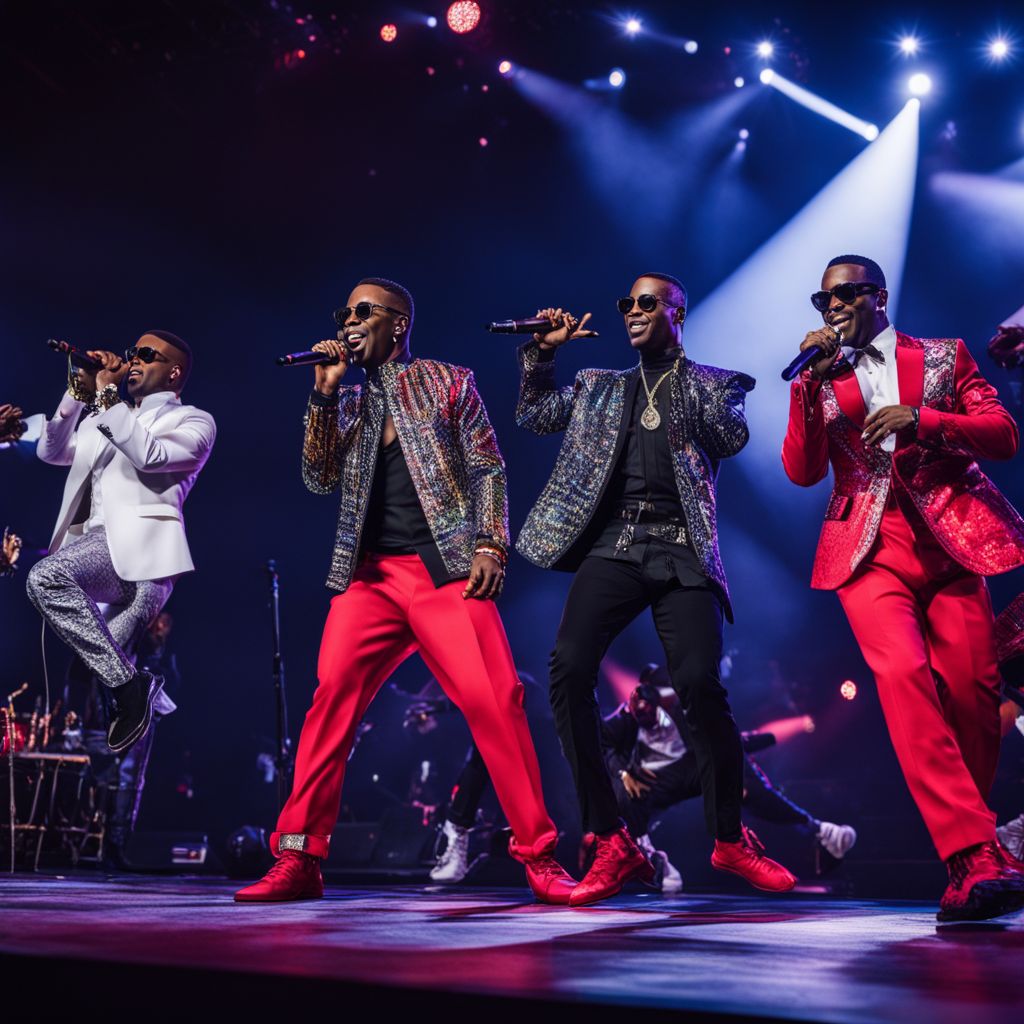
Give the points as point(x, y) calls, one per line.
point(463, 16)
point(301, 54)
point(389, 33)
point(848, 690)
point(482, 141)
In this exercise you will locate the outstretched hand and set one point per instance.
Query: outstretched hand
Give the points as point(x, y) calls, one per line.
point(567, 328)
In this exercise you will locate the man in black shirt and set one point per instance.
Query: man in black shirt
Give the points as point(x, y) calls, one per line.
point(630, 507)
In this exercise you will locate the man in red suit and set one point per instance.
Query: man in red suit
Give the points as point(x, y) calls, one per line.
point(912, 528)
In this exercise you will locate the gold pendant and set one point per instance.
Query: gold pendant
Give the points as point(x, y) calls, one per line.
point(650, 418)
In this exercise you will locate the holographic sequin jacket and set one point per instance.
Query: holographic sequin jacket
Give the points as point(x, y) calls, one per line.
point(448, 444)
point(707, 424)
point(962, 420)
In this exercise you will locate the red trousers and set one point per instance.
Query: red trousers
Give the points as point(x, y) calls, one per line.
point(925, 628)
point(391, 610)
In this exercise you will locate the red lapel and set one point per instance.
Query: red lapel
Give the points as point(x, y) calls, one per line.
point(910, 369)
point(848, 395)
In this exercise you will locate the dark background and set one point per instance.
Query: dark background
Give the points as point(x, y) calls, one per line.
point(178, 165)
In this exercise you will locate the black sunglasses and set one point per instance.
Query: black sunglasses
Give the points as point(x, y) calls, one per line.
point(145, 354)
point(363, 310)
point(846, 293)
point(648, 303)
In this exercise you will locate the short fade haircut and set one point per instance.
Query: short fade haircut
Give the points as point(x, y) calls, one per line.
point(398, 291)
point(182, 346)
point(874, 271)
point(675, 282)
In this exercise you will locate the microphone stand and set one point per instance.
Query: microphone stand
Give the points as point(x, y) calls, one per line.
point(283, 753)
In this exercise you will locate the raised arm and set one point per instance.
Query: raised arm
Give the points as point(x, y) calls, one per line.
point(182, 447)
point(805, 448)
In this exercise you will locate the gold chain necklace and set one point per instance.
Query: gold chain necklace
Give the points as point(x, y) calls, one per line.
point(650, 418)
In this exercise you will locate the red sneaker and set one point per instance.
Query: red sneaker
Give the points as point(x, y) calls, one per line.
point(982, 884)
point(747, 859)
point(294, 876)
point(550, 882)
point(617, 860)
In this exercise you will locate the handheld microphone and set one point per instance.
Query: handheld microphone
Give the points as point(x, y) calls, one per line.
point(306, 358)
point(809, 355)
point(530, 325)
point(77, 357)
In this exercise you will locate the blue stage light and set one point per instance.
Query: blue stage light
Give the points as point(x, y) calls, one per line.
point(431, 22)
point(739, 81)
point(617, 78)
point(819, 105)
point(765, 49)
point(999, 48)
point(691, 46)
point(909, 45)
point(744, 134)
point(633, 26)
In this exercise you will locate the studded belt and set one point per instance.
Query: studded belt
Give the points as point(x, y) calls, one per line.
point(673, 533)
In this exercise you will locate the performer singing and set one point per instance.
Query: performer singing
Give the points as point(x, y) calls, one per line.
point(419, 558)
point(120, 538)
point(630, 506)
point(911, 530)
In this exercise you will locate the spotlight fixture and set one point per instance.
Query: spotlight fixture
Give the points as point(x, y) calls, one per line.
point(739, 81)
point(389, 33)
point(919, 84)
point(633, 26)
point(463, 16)
point(909, 45)
point(848, 690)
point(744, 134)
point(999, 48)
point(617, 78)
point(691, 46)
point(765, 49)
point(767, 76)
point(505, 67)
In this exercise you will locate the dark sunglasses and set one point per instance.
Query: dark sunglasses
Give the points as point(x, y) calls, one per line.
point(846, 293)
point(363, 310)
point(145, 354)
point(648, 303)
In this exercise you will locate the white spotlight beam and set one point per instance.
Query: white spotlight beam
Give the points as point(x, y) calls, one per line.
point(756, 319)
point(818, 105)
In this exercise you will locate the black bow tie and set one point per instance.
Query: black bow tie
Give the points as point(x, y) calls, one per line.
point(868, 351)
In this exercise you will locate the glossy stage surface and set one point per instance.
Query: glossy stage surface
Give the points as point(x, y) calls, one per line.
point(420, 952)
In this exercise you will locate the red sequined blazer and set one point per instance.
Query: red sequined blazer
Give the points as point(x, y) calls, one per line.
point(962, 420)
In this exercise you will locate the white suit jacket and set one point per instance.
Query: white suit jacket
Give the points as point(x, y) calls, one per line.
point(153, 456)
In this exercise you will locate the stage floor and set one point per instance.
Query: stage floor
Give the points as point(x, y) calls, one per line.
point(796, 957)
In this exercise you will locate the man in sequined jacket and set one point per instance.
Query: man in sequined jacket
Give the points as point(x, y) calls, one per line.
point(630, 507)
point(912, 528)
point(419, 557)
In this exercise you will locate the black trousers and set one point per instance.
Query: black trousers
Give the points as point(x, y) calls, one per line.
point(468, 790)
point(680, 781)
point(606, 595)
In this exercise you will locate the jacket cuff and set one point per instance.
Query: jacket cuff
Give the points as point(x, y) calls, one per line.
point(316, 398)
point(929, 428)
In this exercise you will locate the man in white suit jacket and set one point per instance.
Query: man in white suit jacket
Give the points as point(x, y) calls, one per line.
point(120, 536)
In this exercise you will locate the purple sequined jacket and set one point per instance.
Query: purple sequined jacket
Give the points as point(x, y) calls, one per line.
point(707, 425)
point(449, 447)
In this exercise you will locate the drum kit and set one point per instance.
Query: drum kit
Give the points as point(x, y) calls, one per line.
point(53, 810)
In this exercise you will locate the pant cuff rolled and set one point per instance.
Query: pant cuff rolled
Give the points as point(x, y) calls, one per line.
point(525, 852)
point(315, 846)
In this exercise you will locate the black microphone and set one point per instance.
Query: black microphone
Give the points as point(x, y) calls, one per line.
point(809, 355)
point(77, 357)
point(531, 325)
point(305, 358)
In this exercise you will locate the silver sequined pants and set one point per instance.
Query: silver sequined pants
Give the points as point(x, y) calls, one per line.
point(67, 588)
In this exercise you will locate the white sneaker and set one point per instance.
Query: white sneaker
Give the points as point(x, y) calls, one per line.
point(1011, 835)
point(453, 864)
point(666, 874)
point(836, 840)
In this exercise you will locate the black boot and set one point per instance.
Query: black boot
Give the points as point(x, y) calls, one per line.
point(132, 708)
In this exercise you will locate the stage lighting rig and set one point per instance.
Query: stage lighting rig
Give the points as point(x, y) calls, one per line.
point(463, 16)
point(919, 84)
